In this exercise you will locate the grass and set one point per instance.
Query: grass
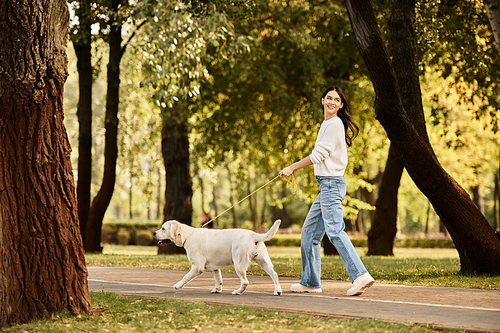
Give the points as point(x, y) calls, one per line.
point(115, 313)
point(424, 267)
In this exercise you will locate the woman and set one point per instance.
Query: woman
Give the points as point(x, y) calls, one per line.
point(329, 158)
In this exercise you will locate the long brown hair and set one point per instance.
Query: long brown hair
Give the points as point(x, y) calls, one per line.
point(344, 114)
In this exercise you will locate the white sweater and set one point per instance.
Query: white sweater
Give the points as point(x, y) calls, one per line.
point(329, 155)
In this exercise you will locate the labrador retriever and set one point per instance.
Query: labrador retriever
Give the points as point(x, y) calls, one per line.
point(215, 249)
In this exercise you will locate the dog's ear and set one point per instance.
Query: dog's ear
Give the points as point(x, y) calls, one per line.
point(176, 233)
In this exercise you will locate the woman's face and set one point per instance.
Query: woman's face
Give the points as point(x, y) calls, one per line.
point(331, 104)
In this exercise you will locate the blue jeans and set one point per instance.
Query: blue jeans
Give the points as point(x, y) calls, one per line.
point(326, 216)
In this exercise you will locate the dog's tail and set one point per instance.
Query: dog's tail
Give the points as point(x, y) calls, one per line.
point(268, 235)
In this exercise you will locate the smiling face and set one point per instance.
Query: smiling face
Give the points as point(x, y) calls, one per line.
point(332, 103)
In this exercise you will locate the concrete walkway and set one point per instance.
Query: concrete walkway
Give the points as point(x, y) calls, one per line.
point(466, 309)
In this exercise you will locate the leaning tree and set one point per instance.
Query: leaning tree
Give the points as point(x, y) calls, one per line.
point(42, 262)
point(476, 242)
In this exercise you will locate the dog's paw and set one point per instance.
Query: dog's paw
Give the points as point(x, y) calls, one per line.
point(216, 290)
point(278, 293)
point(177, 286)
point(237, 292)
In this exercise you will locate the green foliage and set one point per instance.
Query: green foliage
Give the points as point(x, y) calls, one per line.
point(259, 69)
point(177, 46)
point(456, 40)
point(261, 112)
point(123, 236)
point(144, 237)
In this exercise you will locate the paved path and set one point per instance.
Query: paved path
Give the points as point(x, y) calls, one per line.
point(467, 309)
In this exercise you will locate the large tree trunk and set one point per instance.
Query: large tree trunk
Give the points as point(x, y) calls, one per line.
point(178, 190)
point(101, 201)
point(404, 57)
point(493, 10)
point(42, 263)
point(82, 45)
point(475, 240)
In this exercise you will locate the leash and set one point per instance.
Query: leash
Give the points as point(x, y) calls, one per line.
point(290, 183)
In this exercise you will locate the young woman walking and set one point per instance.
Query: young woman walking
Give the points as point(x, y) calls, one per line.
point(329, 158)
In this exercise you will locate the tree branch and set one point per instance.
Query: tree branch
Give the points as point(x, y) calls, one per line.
point(131, 36)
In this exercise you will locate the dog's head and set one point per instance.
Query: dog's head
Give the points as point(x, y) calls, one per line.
point(171, 231)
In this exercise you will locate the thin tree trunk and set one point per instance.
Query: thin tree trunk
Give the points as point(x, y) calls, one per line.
point(370, 196)
point(285, 221)
point(158, 194)
point(493, 10)
point(477, 198)
point(82, 44)
point(231, 198)
point(262, 211)
point(384, 225)
point(42, 261)
point(101, 201)
point(214, 202)
point(496, 199)
point(475, 240)
point(202, 196)
point(360, 218)
point(252, 204)
point(427, 216)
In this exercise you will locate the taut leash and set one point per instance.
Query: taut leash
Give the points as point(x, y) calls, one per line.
point(290, 183)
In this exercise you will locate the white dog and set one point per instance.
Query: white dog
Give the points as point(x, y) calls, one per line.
point(216, 249)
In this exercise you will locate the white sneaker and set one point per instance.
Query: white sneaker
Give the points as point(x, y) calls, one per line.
point(360, 284)
point(298, 288)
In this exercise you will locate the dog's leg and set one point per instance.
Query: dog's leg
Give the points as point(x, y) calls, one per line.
point(241, 271)
point(263, 260)
point(218, 282)
point(194, 272)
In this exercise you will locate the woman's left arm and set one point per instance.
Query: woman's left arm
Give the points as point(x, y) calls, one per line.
point(306, 161)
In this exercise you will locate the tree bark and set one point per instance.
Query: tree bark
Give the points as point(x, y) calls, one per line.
point(384, 226)
point(475, 240)
point(493, 10)
point(496, 200)
point(101, 201)
point(178, 190)
point(42, 263)
point(477, 198)
point(404, 57)
point(82, 45)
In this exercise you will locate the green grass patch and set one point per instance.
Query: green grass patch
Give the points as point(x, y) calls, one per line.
point(115, 313)
point(423, 267)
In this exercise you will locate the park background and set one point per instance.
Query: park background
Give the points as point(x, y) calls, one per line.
point(230, 88)
point(237, 142)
